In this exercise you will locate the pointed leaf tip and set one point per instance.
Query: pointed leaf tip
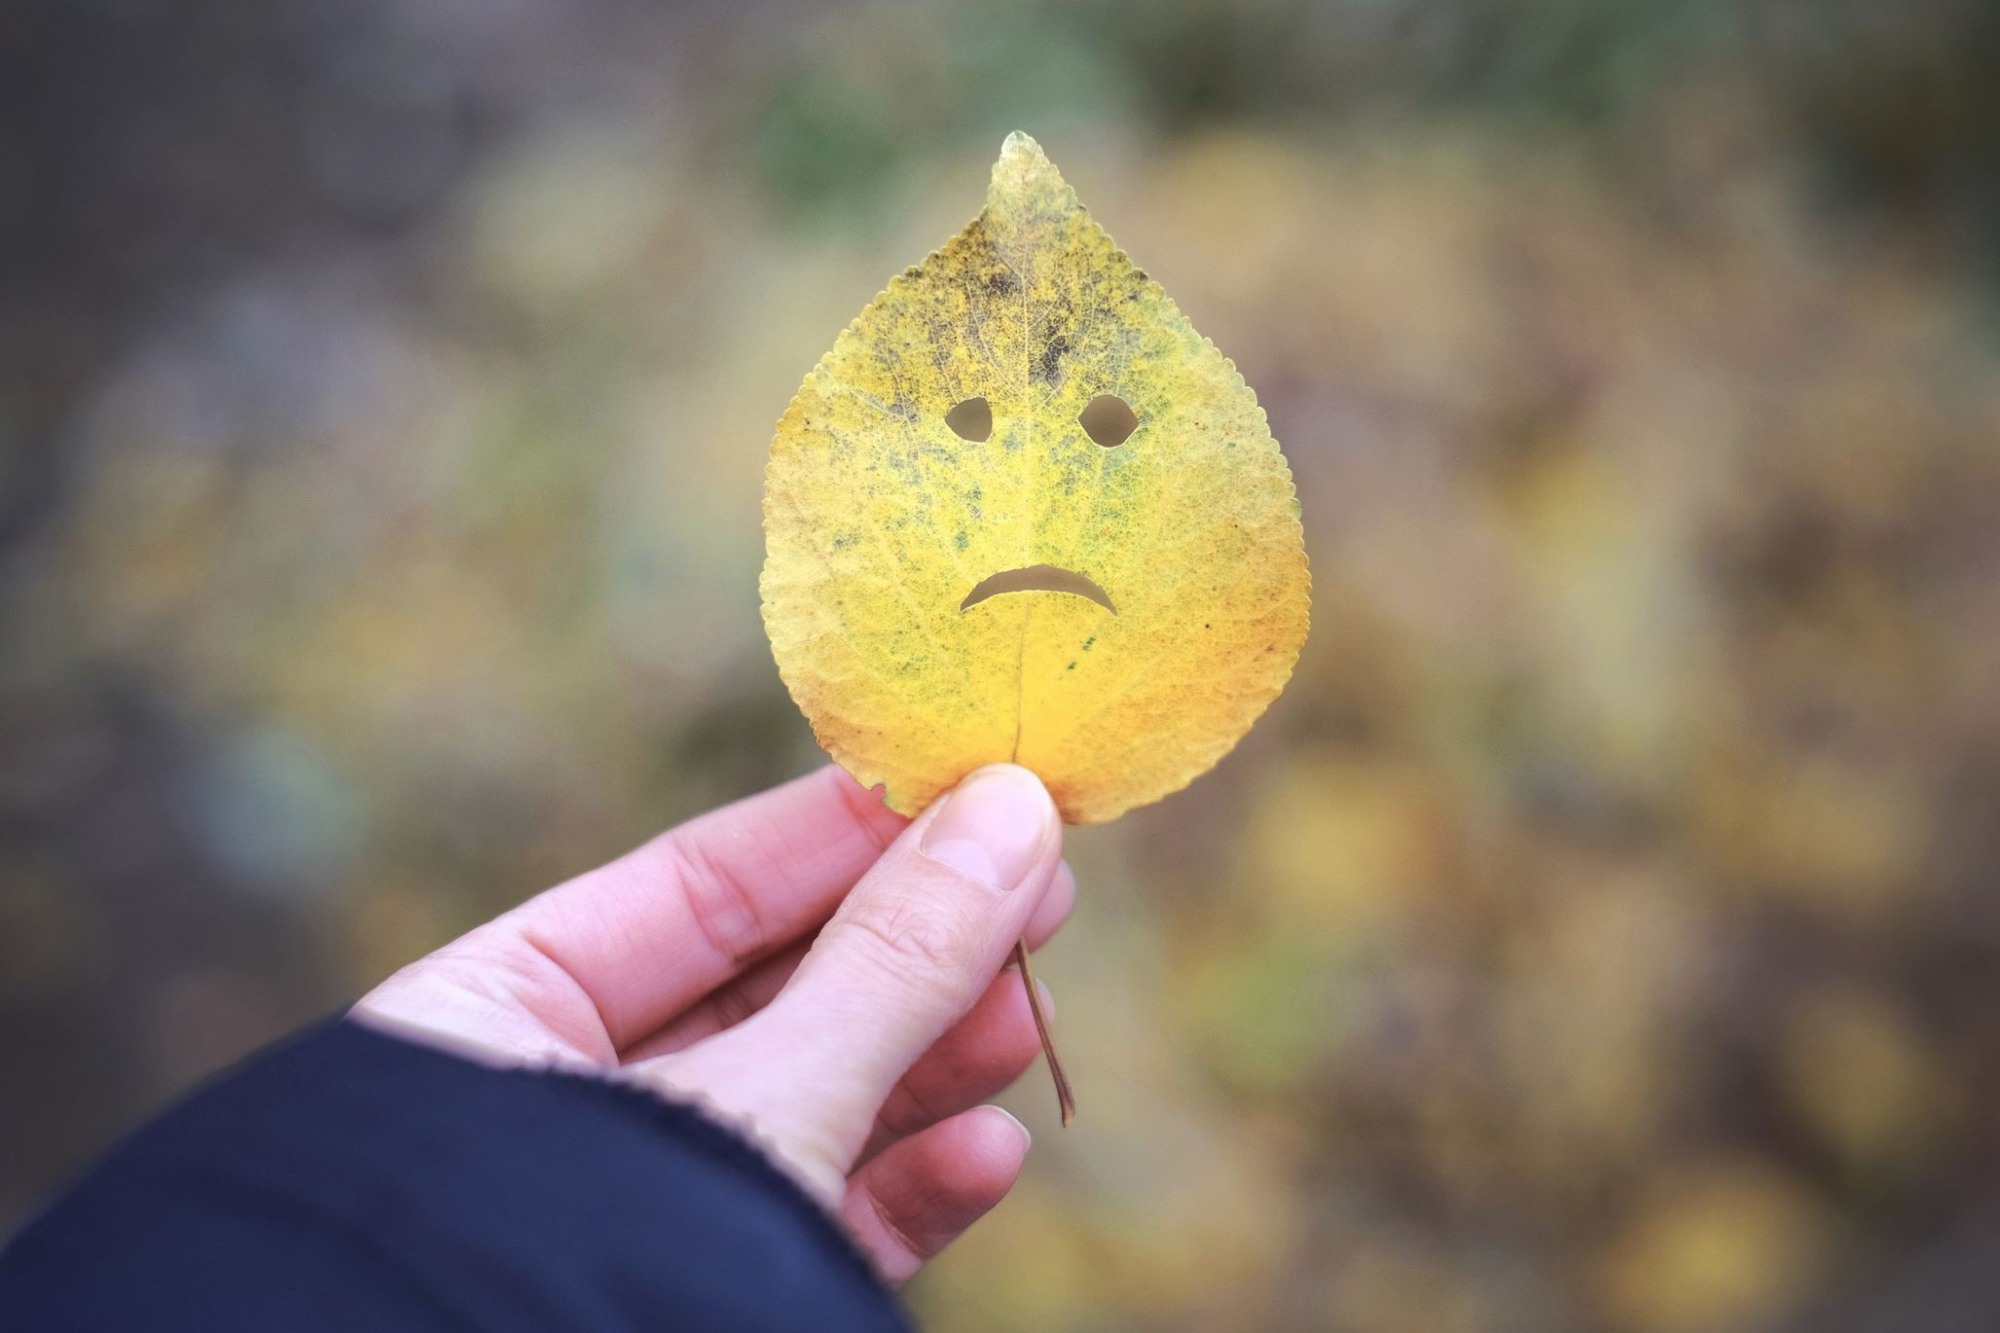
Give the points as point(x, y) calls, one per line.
point(1025, 183)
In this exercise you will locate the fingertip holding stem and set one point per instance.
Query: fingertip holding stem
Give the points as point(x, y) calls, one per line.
point(992, 827)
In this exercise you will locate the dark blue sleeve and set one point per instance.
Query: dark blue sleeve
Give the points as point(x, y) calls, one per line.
point(351, 1181)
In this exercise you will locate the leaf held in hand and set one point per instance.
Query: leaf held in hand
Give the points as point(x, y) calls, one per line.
point(1023, 511)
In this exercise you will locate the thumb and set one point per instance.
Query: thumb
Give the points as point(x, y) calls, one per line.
point(918, 940)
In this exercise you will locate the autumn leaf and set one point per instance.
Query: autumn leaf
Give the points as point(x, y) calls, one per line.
point(1023, 511)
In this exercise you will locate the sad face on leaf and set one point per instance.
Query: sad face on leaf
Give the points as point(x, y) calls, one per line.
point(1023, 511)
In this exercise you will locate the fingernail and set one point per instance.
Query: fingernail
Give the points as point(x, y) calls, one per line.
point(1026, 1137)
point(991, 827)
point(1048, 998)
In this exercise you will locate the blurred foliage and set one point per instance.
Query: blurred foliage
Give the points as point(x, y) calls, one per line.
point(1600, 932)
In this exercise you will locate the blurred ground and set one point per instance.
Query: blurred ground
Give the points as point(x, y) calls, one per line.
point(1599, 934)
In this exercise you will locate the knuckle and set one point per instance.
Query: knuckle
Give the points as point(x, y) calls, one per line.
point(907, 1111)
point(732, 1007)
point(898, 1231)
point(917, 938)
point(722, 907)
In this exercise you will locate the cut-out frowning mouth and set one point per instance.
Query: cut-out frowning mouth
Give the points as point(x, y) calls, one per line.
point(1039, 578)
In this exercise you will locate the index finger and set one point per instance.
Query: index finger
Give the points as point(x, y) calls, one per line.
point(652, 932)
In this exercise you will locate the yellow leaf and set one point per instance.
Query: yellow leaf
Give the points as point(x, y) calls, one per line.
point(1023, 511)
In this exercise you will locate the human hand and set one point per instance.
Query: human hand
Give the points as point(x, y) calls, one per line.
point(726, 962)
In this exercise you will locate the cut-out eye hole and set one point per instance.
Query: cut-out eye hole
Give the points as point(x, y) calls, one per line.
point(971, 420)
point(1108, 420)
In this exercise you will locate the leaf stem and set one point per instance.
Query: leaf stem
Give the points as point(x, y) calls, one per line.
point(1064, 1098)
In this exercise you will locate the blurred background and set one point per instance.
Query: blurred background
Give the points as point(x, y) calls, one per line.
point(1600, 933)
